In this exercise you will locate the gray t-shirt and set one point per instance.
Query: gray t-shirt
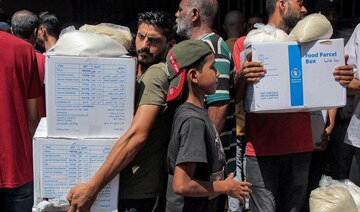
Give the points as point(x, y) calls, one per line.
point(145, 177)
point(193, 139)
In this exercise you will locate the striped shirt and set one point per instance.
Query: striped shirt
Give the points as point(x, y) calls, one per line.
point(224, 92)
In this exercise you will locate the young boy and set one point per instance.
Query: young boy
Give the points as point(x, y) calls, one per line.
point(195, 158)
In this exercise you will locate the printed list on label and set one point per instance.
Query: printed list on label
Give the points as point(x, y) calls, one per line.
point(64, 166)
point(80, 88)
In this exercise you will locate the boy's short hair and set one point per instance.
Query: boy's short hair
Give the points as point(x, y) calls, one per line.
point(182, 56)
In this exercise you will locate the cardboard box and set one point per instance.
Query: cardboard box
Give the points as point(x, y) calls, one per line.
point(61, 163)
point(89, 97)
point(298, 78)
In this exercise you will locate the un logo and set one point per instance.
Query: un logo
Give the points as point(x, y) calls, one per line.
point(295, 73)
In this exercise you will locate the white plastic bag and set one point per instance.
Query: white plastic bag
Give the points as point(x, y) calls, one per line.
point(335, 195)
point(329, 199)
point(265, 34)
point(121, 34)
point(348, 184)
point(78, 43)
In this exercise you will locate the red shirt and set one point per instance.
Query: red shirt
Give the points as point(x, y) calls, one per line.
point(238, 48)
point(20, 81)
point(41, 100)
point(278, 133)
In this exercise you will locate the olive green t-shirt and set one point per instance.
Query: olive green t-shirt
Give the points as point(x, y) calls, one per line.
point(144, 176)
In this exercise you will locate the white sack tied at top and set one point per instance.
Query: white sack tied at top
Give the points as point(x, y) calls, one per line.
point(334, 196)
point(88, 44)
point(312, 27)
point(264, 34)
point(121, 34)
point(102, 40)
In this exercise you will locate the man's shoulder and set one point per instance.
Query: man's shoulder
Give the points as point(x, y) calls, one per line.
point(214, 39)
point(14, 41)
point(160, 65)
point(217, 44)
point(240, 41)
point(156, 71)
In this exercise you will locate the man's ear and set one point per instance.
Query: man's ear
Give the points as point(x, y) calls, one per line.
point(195, 14)
point(41, 30)
point(281, 5)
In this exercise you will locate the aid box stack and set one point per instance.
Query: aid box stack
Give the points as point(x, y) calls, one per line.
point(90, 104)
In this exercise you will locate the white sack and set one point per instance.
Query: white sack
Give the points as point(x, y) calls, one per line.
point(119, 33)
point(328, 199)
point(354, 190)
point(312, 27)
point(265, 34)
point(78, 43)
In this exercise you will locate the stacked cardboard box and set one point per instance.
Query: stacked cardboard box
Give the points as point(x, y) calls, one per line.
point(90, 104)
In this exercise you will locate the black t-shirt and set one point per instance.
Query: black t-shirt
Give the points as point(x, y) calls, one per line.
point(193, 139)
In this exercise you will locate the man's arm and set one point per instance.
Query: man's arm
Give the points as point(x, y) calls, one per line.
point(331, 117)
point(354, 87)
point(83, 195)
point(325, 136)
point(217, 112)
point(185, 185)
point(33, 117)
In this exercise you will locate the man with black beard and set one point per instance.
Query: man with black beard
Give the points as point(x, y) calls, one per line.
point(279, 145)
point(139, 155)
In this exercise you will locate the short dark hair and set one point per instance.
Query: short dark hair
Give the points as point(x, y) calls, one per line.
point(50, 22)
point(23, 24)
point(159, 19)
point(270, 7)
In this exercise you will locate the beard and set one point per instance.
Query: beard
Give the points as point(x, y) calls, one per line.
point(291, 18)
point(183, 27)
point(150, 58)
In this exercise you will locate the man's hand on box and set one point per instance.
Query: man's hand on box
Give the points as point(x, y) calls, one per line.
point(251, 71)
point(344, 74)
point(81, 198)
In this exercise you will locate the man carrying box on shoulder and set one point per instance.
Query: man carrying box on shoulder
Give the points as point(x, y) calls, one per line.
point(139, 155)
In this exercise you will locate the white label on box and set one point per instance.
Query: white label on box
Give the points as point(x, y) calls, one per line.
point(63, 163)
point(89, 96)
